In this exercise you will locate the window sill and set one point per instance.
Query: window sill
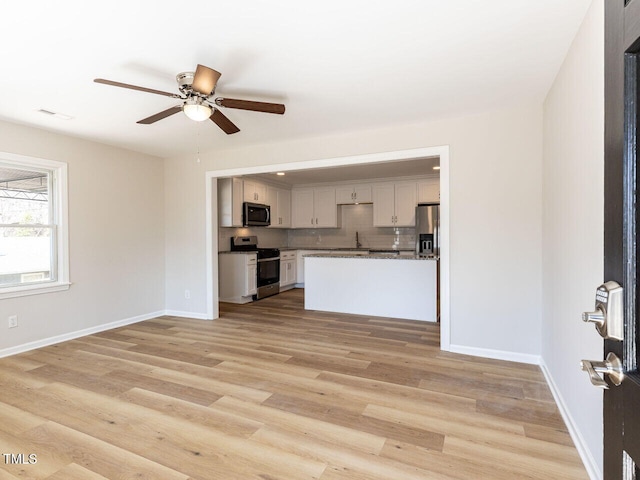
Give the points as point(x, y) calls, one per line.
point(24, 290)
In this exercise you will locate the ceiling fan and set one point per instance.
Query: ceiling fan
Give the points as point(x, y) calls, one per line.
point(196, 94)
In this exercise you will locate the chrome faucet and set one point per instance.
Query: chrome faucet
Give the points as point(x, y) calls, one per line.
point(358, 244)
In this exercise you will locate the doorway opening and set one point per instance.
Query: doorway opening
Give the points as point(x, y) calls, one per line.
point(442, 152)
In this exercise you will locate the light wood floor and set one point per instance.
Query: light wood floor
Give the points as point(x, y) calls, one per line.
point(271, 391)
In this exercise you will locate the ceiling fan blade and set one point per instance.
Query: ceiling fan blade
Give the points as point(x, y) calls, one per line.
point(223, 122)
point(205, 79)
point(135, 87)
point(250, 105)
point(159, 116)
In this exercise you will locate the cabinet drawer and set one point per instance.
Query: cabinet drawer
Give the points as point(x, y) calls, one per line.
point(288, 255)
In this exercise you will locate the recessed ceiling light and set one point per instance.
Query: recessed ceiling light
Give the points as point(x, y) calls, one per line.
point(60, 116)
point(280, 174)
point(437, 167)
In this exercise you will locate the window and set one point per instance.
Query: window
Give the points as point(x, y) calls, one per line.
point(33, 226)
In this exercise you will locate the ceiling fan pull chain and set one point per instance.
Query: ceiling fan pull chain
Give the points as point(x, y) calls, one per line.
point(198, 142)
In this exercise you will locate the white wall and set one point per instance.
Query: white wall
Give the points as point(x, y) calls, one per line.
point(573, 198)
point(116, 239)
point(495, 225)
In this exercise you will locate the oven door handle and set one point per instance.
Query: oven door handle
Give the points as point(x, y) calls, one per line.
point(268, 259)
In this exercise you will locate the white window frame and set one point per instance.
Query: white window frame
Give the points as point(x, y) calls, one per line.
point(60, 218)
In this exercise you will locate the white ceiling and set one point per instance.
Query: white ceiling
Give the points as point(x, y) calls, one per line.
point(348, 173)
point(337, 65)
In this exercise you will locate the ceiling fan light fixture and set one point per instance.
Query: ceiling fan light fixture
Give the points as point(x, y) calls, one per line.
point(196, 110)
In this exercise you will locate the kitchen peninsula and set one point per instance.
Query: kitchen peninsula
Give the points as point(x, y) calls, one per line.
point(377, 285)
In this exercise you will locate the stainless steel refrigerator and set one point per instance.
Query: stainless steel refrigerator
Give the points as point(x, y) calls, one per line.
point(427, 229)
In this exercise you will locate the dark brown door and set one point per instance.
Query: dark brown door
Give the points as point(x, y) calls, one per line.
point(622, 112)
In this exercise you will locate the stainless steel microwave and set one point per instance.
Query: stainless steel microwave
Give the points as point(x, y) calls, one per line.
point(256, 215)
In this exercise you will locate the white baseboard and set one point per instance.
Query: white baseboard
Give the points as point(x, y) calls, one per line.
point(496, 354)
point(589, 462)
point(25, 347)
point(45, 342)
point(178, 313)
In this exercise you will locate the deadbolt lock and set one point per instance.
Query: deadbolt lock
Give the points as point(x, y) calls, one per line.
point(608, 314)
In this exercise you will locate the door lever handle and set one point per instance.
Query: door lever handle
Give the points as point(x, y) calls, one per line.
point(612, 367)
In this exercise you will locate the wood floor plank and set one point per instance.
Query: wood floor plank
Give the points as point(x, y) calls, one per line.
point(520, 464)
point(311, 427)
point(74, 471)
point(225, 422)
point(98, 456)
point(272, 391)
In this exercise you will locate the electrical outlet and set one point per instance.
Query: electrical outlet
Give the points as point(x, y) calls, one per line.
point(13, 321)
point(187, 294)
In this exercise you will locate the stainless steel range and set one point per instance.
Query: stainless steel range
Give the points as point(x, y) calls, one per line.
point(268, 276)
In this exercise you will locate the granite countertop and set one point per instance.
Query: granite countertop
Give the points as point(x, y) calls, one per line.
point(380, 256)
point(338, 249)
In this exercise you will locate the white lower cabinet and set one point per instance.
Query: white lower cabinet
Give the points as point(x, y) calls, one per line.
point(237, 277)
point(288, 268)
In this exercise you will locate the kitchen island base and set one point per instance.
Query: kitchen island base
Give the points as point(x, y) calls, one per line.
point(381, 287)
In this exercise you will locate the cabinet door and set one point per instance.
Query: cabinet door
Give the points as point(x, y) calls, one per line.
point(345, 195)
point(429, 191)
point(283, 273)
point(255, 192)
point(230, 202)
point(249, 191)
point(302, 208)
point(325, 208)
point(251, 280)
point(261, 192)
point(406, 200)
point(287, 273)
point(291, 272)
point(383, 195)
point(272, 201)
point(362, 193)
point(284, 208)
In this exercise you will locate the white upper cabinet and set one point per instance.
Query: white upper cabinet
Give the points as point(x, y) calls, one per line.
point(384, 204)
point(394, 204)
point(350, 194)
point(230, 202)
point(255, 192)
point(429, 191)
point(406, 199)
point(302, 213)
point(325, 208)
point(314, 207)
point(279, 199)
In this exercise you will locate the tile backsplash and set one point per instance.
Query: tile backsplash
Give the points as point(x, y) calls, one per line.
point(267, 237)
point(354, 218)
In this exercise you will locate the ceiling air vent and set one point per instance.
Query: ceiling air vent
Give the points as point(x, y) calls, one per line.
point(61, 116)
